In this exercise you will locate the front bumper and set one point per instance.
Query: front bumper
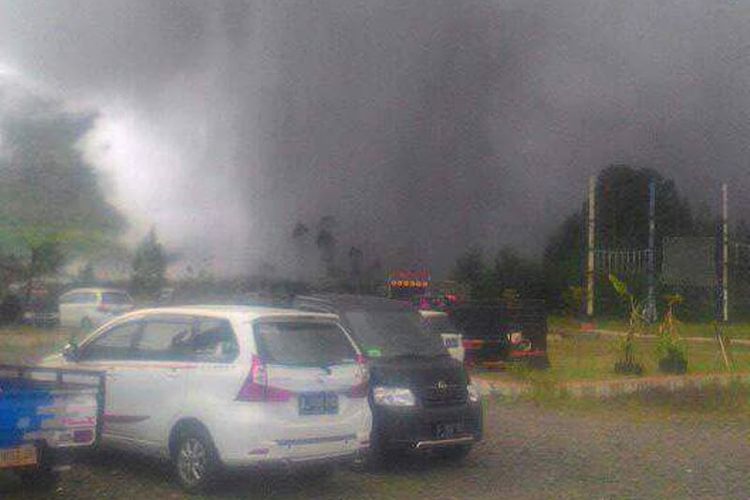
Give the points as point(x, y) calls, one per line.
point(422, 428)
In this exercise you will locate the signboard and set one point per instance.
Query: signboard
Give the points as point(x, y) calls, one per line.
point(409, 279)
point(689, 261)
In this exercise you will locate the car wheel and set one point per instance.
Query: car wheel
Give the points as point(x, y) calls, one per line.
point(86, 325)
point(456, 453)
point(41, 477)
point(318, 472)
point(379, 456)
point(195, 459)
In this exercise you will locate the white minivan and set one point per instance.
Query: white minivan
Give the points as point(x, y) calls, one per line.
point(215, 386)
point(87, 308)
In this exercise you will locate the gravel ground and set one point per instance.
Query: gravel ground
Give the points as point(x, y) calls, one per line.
point(529, 452)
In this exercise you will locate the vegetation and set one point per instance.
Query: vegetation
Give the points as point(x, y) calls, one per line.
point(627, 361)
point(509, 272)
point(149, 267)
point(319, 264)
point(670, 348)
point(622, 223)
point(53, 208)
point(735, 330)
point(577, 358)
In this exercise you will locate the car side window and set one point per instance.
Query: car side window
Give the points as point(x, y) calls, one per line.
point(214, 341)
point(165, 339)
point(113, 344)
point(88, 298)
point(72, 298)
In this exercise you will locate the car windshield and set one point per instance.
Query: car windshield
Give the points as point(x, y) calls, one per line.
point(116, 298)
point(389, 333)
point(303, 344)
point(439, 324)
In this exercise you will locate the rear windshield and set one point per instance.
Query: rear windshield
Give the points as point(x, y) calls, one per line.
point(116, 298)
point(439, 324)
point(389, 333)
point(481, 322)
point(303, 343)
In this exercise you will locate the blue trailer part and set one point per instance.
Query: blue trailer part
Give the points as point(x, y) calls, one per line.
point(46, 412)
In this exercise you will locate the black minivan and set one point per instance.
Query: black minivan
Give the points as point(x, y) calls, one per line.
point(421, 398)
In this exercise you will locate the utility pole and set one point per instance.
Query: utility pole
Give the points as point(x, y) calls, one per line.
point(590, 251)
point(724, 254)
point(651, 312)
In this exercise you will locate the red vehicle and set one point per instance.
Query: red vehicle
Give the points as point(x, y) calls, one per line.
point(502, 332)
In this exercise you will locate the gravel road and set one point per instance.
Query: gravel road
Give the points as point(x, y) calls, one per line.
point(529, 452)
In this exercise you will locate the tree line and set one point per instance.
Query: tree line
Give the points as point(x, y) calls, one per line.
point(622, 194)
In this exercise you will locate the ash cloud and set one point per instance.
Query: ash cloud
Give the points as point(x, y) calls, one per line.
point(422, 126)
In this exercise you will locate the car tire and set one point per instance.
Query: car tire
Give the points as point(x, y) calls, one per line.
point(454, 453)
point(379, 456)
point(318, 472)
point(195, 459)
point(86, 325)
point(42, 477)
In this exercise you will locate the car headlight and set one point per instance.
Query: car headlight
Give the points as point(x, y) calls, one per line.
point(473, 391)
point(393, 396)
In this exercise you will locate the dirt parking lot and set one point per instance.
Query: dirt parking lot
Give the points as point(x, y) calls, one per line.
point(530, 452)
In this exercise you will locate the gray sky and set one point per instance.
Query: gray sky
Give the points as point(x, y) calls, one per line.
point(422, 126)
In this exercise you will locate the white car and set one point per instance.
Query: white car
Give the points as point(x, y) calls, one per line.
point(214, 386)
point(87, 308)
point(439, 323)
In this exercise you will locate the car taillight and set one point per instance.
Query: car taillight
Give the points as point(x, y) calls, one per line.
point(256, 386)
point(472, 344)
point(362, 386)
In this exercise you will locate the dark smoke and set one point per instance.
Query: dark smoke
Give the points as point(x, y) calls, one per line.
point(423, 127)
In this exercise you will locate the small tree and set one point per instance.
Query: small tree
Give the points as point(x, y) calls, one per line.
point(149, 267)
point(628, 363)
point(86, 275)
point(671, 349)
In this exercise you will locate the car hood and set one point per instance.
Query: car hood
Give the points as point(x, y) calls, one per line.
point(416, 372)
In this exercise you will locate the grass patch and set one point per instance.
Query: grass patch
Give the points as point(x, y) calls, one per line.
point(714, 402)
point(575, 358)
point(732, 330)
point(27, 344)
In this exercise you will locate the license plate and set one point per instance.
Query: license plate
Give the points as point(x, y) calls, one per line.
point(447, 431)
point(18, 457)
point(450, 343)
point(319, 403)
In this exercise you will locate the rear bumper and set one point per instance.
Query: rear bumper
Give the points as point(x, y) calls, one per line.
point(489, 351)
point(346, 458)
point(247, 436)
point(418, 428)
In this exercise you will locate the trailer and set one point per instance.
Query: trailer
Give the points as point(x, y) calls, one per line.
point(47, 415)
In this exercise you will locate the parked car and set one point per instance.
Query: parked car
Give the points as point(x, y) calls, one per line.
point(41, 311)
point(439, 323)
point(46, 415)
point(421, 398)
point(215, 386)
point(87, 308)
point(503, 332)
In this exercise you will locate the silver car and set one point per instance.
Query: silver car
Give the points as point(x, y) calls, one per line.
point(87, 308)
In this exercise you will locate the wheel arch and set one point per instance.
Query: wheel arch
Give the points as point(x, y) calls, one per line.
point(185, 424)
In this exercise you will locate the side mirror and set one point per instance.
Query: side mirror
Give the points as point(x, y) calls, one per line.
point(70, 352)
